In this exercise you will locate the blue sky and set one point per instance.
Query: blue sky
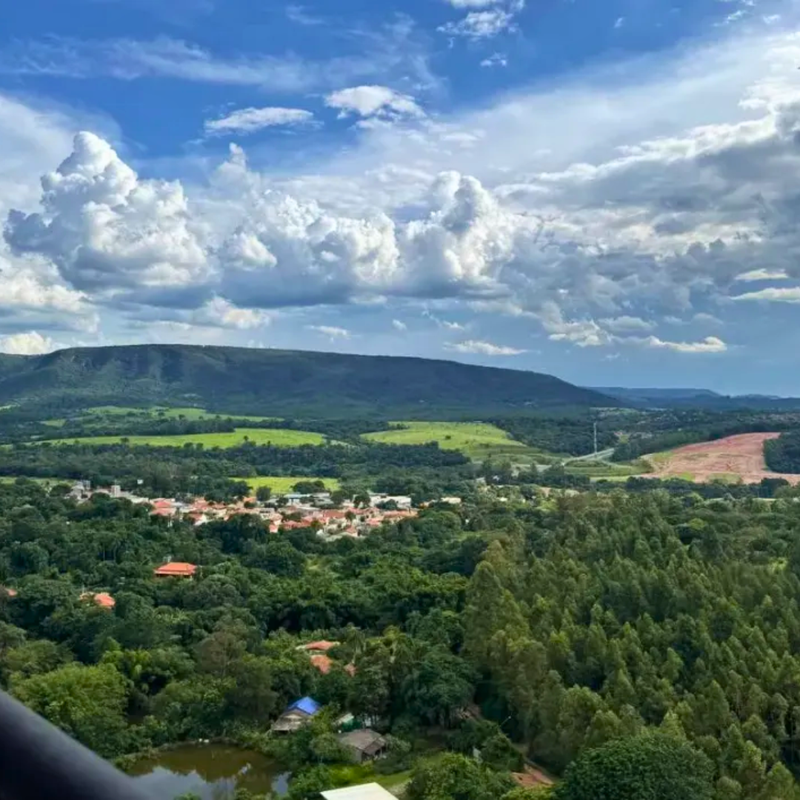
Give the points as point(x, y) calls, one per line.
point(603, 191)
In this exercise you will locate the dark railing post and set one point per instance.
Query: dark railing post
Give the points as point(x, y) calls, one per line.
point(39, 762)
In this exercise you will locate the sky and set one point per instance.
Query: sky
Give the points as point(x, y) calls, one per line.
point(604, 191)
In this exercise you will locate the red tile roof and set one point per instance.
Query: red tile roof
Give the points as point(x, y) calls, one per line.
point(103, 599)
point(320, 647)
point(12, 593)
point(322, 663)
point(176, 569)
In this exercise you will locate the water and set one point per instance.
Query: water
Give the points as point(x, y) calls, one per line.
point(211, 771)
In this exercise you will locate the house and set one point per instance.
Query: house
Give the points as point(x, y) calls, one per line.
point(102, 599)
point(175, 569)
point(9, 592)
point(321, 663)
point(318, 647)
point(296, 715)
point(367, 791)
point(364, 744)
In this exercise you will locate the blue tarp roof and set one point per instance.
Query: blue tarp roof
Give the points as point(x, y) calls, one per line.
point(308, 705)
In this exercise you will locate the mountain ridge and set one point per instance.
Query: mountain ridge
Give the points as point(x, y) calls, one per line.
point(282, 382)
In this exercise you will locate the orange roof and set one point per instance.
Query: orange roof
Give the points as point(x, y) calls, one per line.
point(176, 569)
point(9, 592)
point(103, 599)
point(322, 663)
point(321, 647)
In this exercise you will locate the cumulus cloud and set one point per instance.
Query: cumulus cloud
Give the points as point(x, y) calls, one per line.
point(331, 331)
point(483, 348)
point(250, 120)
point(31, 343)
point(107, 231)
point(399, 325)
point(373, 101)
point(711, 344)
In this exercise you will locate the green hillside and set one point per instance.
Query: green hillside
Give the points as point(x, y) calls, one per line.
point(281, 383)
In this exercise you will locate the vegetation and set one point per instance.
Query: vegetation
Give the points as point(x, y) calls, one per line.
point(265, 436)
point(783, 454)
point(280, 383)
point(282, 485)
point(476, 440)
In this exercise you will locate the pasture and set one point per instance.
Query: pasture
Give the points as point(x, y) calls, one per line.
point(476, 440)
point(283, 485)
point(259, 436)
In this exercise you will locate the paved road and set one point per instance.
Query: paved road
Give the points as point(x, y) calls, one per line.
point(602, 455)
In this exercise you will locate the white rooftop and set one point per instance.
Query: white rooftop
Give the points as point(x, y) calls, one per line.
point(367, 791)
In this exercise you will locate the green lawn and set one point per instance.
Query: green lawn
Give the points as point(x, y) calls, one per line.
point(15, 478)
point(282, 485)
point(276, 437)
point(476, 440)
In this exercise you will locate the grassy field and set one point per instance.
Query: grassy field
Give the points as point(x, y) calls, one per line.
point(282, 485)
point(43, 481)
point(603, 469)
point(276, 437)
point(187, 412)
point(476, 440)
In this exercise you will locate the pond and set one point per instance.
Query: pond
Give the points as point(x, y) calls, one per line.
point(211, 771)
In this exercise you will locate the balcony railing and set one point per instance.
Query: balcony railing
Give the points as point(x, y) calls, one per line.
point(39, 762)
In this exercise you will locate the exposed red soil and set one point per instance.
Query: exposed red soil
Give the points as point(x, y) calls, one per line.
point(741, 455)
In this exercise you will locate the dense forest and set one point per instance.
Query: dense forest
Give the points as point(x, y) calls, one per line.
point(783, 454)
point(648, 628)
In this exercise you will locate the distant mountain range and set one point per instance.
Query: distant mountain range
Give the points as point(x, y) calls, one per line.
point(283, 383)
point(698, 398)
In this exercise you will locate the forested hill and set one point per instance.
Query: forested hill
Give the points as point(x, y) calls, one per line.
point(282, 382)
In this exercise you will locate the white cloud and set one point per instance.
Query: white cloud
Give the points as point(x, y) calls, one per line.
point(107, 231)
point(218, 312)
point(711, 344)
point(393, 49)
point(399, 325)
point(31, 343)
point(301, 16)
point(331, 331)
point(249, 120)
point(495, 60)
point(483, 348)
point(772, 294)
point(762, 275)
point(583, 333)
point(481, 24)
point(626, 324)
point(471, 3)
point(370, 101)
point(619, 23)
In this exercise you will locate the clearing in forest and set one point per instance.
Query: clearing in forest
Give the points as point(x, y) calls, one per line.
point(260, 436)
point(476, 440)
point(735, 458)
point(283, 485)
point(186, 412)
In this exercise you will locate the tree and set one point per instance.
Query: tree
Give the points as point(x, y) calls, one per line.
point(263, 494)
point(86, 702)
point(456, 777)
point(652, 765)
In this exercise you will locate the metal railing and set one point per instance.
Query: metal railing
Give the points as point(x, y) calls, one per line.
point(38, 762)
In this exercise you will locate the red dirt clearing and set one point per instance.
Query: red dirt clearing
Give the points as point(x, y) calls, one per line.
point(741, 456)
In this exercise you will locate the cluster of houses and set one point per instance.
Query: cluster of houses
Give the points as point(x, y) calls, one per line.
point(286, 512)
point(294, 511)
